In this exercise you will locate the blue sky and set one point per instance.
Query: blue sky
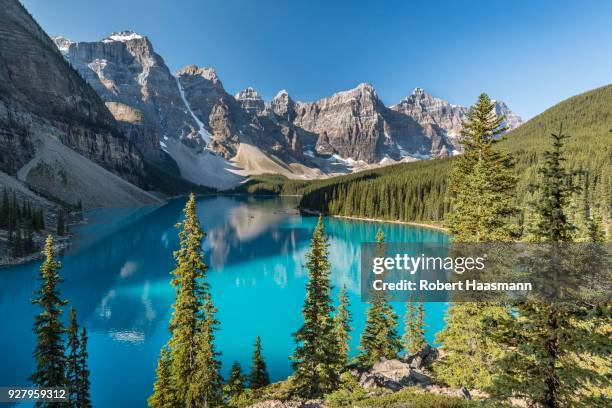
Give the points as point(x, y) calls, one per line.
point(530, 54)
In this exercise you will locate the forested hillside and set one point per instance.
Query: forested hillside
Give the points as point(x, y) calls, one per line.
point(416, 191)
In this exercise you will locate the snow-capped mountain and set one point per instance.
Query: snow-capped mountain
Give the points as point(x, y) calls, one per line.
point(215, 137)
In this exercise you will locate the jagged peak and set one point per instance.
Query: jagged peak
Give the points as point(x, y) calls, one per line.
point(62, 43)
point(282, 94)
point(248, 93)
point(363, 88)
point(123, 36)
point(205, 72)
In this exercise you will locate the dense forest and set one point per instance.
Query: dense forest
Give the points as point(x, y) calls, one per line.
point(417, 191)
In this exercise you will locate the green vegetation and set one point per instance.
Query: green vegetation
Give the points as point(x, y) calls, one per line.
point(405, 398)
point(379, 338)
point(413, 339)
point(418, 191)
point(481, 192)
point(342, 327)
point(20, 221)
point(234, 386)
point(193, 365)
point(259, 373)
point(48, 327)
point(316, 356)
point(552, 347)
point(55, 368)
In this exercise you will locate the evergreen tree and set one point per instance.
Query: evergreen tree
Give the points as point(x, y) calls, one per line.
point(234, 386)
point(49, 351)
point(72, 360)
point(555, 190)
point(259, 374)
point(83, 399)
point(553, 345)
point(595, 232)
point(342, 327)
point(481, 197)
point(414, 323)
point(482, 184)
point(207, 384)
point(61, 223)
point(162, 396)
point(379, 338)
point(193, 362)
point(316, 355)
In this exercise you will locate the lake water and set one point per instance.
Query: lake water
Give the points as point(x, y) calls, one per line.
point(117, 277)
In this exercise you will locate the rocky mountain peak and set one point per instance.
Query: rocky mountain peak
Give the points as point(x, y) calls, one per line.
point(210, 74)
point(62, 43)
point(123, 36)
point(283, 105)
point(250, 100)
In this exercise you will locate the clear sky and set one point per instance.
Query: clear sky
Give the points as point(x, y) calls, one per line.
point(530, 54)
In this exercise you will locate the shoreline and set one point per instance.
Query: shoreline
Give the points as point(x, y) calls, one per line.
point(415, 224)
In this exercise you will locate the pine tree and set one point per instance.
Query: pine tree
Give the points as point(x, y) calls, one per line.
point(234, 385)
point(414, 323)
point(482, 184)
point(342, 327)
point(553, 345)
point(49, 351)
point(595, 232)
point(379, 339)
point(481, 198)
point(555, 190)
point(193, 363)
point(207, 384)
point(162, 389)
point(315, 357)
point(259, 373)
point(72, 360)
point(83, 398)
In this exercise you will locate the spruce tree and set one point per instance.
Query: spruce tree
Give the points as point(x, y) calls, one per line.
point(482, 184)
point(481, 192)
point(72, 360)
point(553, 345)
point(162, 396)
point(342, 327)
point(83, 398)
point(379, 339)
point(315, 357)
point(48, 328)
point(414, 327)
point(259, 373)
point(194, 366)
point(207, 384)
point(234, 386)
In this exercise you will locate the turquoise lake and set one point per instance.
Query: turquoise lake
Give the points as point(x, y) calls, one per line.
point(117, 276)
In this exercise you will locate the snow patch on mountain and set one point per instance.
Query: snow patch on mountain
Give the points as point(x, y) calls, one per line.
point(123, 36)
point(206, 136)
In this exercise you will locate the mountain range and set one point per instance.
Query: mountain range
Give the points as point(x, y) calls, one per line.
point(106, 122)
point(215, 137)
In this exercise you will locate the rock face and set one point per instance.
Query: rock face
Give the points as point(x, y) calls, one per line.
point(443, 121)
point(233, 120)
point(391, 374)
point(347, 131)
point(42, 96)
point(126, 72)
